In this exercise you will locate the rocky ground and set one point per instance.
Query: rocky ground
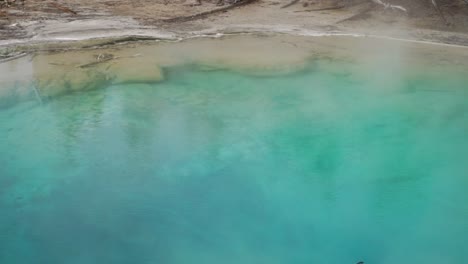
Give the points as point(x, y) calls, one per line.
point(56, 20)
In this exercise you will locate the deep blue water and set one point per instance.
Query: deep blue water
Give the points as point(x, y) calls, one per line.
point(223, 167)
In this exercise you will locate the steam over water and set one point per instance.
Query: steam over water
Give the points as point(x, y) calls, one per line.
point(325, 166)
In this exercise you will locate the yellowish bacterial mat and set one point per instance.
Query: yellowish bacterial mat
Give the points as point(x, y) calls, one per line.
point(51, 73)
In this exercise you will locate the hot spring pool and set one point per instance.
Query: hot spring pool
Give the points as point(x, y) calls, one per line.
point(214, 165)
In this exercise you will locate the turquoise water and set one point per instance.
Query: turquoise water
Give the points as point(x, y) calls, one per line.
point(221, 167)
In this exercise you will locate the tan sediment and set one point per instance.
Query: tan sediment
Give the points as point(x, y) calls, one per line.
point(134, 70)
point(56, 73)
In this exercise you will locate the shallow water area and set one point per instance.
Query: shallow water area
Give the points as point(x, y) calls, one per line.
point(334, 158)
